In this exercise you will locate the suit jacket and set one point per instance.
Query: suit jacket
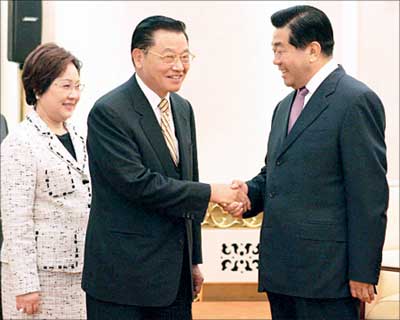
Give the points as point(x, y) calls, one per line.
point(3, 128)
point(45, 197)
point(143, 210)
point(3, 133)
point(324, 193)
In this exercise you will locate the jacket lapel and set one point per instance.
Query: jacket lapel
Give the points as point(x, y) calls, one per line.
point(54, 144)
point(315, 106)
point(150, 126)
point(282, 118)
point(182, 130)
point(80, 150)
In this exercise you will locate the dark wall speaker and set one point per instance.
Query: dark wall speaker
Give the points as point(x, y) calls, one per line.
point(24, 28)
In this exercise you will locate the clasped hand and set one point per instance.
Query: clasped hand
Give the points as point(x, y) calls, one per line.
point(232, 198)
point(28, 303)
point(361, 290)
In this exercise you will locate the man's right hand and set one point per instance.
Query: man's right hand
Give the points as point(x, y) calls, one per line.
point(238, 184)
point(225, 195)
point(234, 208)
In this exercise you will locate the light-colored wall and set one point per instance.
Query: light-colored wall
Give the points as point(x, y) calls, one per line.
point(378, 64)
point(232, 84)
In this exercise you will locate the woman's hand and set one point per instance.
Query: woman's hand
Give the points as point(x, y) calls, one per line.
point(28, 303)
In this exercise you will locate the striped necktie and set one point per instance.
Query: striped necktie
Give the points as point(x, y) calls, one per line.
point(166, 129)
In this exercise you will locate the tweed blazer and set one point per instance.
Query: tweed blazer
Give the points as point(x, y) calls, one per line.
point(45, 200)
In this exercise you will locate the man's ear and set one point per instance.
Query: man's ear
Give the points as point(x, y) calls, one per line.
point(137, 57)
point(314, 51)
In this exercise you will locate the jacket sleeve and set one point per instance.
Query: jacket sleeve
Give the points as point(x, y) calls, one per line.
point(197, 250)
point(18, 182)
point(256, 193)
point(257, 186)
point(132, 179)
point(363, 154)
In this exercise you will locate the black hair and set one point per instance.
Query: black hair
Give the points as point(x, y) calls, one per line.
point(142, 37)
point(306, 24)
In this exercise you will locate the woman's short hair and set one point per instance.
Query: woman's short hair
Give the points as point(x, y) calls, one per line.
point(42, 66)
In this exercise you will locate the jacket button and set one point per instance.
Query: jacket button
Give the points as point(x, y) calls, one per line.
point(272, 194)
point(278, 162)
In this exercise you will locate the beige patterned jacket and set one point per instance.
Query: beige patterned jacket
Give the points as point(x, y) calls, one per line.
point(45, 201)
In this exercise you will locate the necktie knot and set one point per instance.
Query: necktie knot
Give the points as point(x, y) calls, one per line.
point(303, 91)
point(163, 106)
point(297, 106)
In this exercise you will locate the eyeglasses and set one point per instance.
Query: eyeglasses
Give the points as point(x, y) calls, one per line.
point(68, 87)
point(171, 58)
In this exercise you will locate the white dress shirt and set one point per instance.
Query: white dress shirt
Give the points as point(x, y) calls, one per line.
point(318, 78)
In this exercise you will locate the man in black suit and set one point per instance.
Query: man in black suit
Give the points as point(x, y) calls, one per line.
point(323, 188)
point(3, 133)
point(3, 128)
point(143, 242)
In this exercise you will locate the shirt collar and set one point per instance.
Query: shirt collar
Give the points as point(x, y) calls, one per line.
point(151, 96)
point(320, 76)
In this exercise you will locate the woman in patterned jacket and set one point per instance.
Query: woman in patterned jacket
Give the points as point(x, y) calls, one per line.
point(45, 195)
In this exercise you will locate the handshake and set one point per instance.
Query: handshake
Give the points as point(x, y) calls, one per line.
point(232, 198)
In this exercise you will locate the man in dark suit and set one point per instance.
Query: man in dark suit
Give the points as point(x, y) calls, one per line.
point(3, 128)
point(143, 242)
point(323, 188)
point(3, 133)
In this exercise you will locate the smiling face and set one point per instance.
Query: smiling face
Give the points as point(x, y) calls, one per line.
point(157, 75)
point(58, 102)
point(294, 63)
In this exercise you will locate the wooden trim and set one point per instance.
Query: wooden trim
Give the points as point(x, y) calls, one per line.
point(387, 268)
point(231, 310)
point(237, 291)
